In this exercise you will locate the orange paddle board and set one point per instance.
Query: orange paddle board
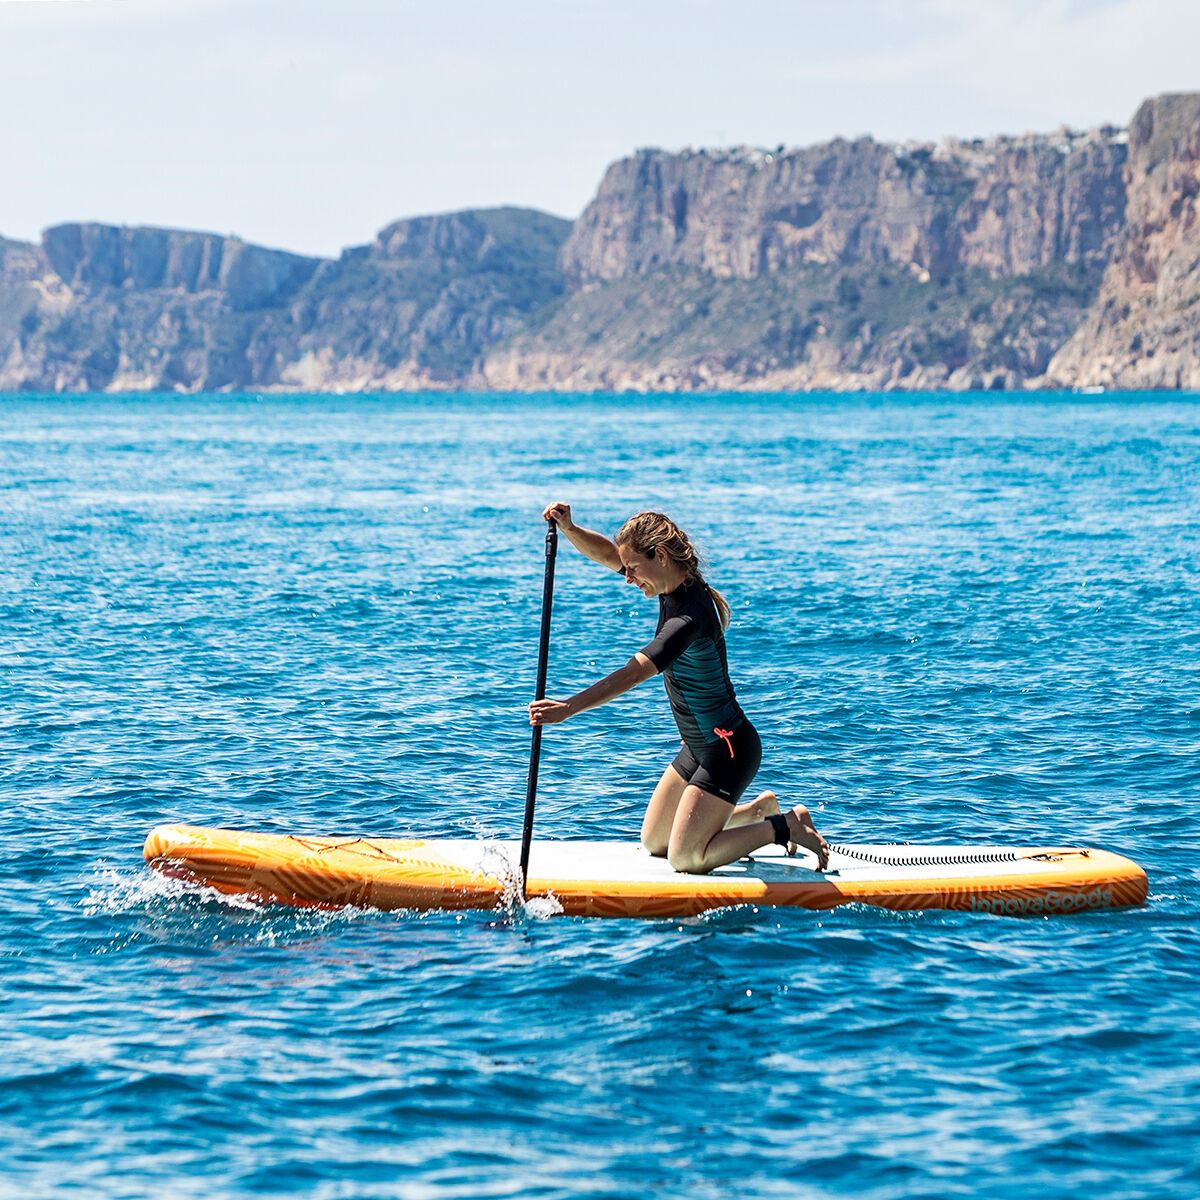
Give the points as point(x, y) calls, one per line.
point(619, 879)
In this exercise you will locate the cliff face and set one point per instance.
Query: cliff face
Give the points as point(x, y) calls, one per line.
point(1065, 260)
point(99, 307)
point(1007, 207)
point(1144, 329)
point(104, 307)
point(93, 258)
point(852, 265)
point(420, 305)
point(846, 266)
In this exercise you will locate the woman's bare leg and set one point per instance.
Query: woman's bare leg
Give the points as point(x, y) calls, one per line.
point(660, 813)
point(764, 805)
point(700, 841)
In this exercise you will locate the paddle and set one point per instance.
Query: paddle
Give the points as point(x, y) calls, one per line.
point(535, 748)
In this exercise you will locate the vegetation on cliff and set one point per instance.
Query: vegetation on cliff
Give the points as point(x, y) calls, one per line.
point(877, 326)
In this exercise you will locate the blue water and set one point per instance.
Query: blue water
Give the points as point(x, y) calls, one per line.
point(965, 618)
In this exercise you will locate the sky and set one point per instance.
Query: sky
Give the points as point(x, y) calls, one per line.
point(310, 125)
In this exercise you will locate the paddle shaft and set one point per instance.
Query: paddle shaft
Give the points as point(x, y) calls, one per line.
point(535, 749)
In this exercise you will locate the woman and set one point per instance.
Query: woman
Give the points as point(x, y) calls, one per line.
point(694, 819)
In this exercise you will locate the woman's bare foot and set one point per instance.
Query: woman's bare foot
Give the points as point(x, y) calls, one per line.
point(804, 833)
point(763, 805)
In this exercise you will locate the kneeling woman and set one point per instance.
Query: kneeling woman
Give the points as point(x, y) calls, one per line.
point(694, 819)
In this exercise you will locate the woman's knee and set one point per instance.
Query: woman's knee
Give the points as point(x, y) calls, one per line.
point(687, 861)
point(657, 847)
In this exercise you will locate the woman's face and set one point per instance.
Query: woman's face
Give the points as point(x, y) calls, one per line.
point(654, 574)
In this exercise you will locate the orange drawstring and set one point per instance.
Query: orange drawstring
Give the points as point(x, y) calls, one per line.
point(727, 734)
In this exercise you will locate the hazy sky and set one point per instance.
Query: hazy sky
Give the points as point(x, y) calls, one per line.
point(309, 125)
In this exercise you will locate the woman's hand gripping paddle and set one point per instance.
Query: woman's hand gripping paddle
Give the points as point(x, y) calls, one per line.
point(535, 748)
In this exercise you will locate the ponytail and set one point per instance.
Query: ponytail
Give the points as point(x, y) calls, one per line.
point(724, 613)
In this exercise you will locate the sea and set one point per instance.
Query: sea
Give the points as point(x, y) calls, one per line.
point(956, 618)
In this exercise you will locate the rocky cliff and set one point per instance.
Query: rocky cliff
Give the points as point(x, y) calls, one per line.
point(98, 307)
point(1144, 329)
point(1063, 260)
point(1006, 206)
point(419, 306)
point(108, 308)
point(849, 265)
point(93, 258)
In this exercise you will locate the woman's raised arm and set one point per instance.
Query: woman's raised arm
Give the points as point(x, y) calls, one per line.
point(592, 545)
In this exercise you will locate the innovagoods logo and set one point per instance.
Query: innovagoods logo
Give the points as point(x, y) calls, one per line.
point(1050, 902)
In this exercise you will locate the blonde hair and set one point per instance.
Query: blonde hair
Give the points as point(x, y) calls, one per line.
point(645, 532)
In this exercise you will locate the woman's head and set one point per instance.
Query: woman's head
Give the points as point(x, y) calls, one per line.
point(645, 533)
point(667, 552)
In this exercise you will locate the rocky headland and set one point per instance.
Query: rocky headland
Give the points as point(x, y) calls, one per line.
point(112, 309)
point(1143, 330)
point(1069, 259)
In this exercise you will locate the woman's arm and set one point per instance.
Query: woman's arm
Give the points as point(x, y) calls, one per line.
point(593, 545)
point(550, 712)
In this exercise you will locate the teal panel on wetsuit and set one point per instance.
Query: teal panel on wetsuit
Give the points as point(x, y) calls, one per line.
point(689, 650)
point(701, 694)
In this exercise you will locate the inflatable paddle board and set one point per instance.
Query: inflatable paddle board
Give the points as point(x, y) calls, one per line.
point(619, 879)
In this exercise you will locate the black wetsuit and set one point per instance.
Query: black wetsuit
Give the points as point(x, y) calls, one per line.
point(721, 749)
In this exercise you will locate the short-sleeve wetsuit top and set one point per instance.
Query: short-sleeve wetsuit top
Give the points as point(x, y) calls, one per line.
point(689, 650)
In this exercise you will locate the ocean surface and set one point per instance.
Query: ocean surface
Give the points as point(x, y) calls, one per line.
point(963, 618)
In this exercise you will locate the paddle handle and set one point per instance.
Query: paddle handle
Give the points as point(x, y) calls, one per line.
point(535, 748)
